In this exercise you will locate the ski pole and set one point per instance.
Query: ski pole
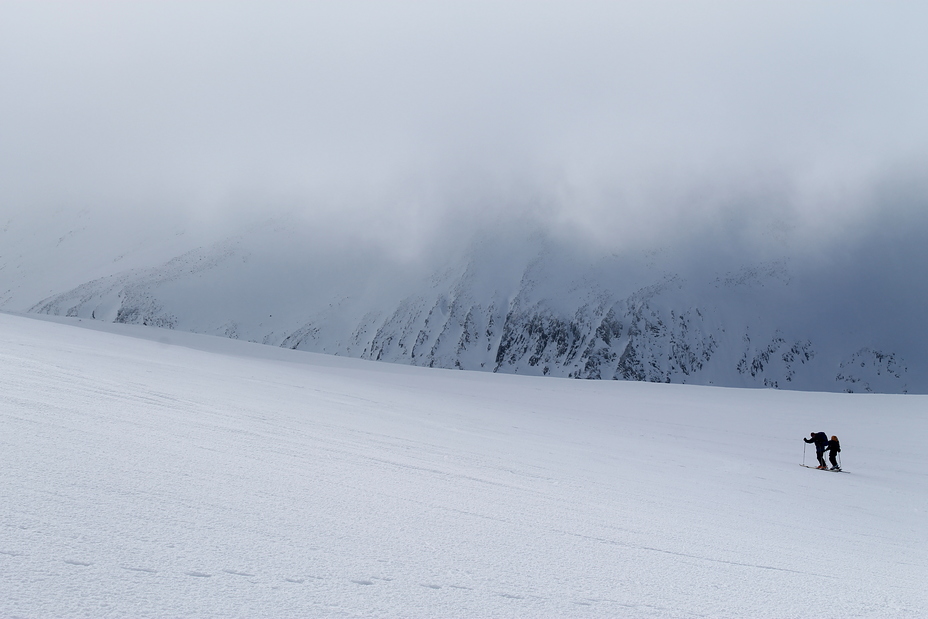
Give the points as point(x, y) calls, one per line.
point(803, 454)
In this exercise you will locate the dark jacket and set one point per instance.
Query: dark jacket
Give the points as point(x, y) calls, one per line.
point(833, 446)
point(820, 439)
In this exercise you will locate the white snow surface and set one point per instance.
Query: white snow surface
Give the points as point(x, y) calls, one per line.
point(153, 473)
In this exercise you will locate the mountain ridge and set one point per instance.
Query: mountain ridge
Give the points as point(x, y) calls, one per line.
point(546, 311)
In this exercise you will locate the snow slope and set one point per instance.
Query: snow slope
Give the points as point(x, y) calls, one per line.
point(152, 473)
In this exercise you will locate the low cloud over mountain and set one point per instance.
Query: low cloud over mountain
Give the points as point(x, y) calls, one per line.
point(725, 194)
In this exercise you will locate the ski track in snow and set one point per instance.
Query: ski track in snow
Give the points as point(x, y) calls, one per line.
point(223, 479)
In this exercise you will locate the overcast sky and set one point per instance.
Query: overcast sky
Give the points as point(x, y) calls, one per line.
point(613, 120)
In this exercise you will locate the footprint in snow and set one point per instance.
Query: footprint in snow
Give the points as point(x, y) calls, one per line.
point(362, 582)
point(431, 586)
point(235, 573)
point(140, 569)
point(81, 563)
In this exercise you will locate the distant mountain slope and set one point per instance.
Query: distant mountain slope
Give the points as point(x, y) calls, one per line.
point(525, 305)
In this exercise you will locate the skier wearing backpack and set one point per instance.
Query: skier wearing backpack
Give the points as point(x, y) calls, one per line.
point(834, 448)
point(821, 441)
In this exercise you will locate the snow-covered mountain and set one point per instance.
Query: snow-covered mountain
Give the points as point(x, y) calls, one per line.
point(512, 301)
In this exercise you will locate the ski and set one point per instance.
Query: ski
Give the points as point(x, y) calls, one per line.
point(829, 470)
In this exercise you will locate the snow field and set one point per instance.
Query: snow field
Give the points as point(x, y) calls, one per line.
point(203, 477)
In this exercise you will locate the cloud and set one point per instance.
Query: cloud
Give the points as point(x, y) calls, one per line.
point(623, 123)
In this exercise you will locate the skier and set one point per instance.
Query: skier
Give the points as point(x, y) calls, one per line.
point(834, 448)
point(821, 441)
